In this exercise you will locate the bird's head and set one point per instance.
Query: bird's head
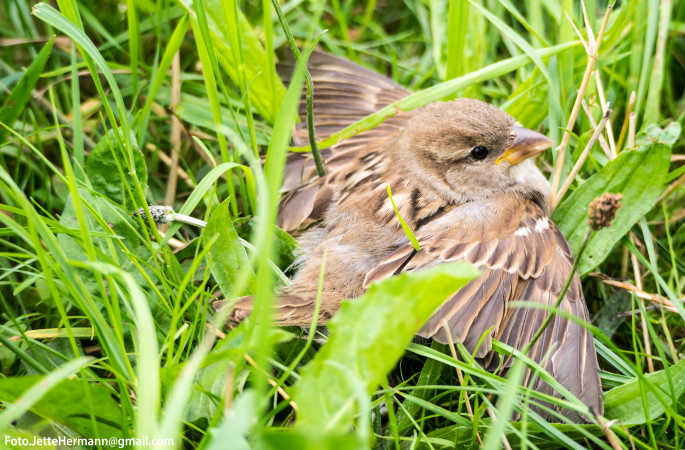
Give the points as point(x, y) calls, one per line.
point(473, 150)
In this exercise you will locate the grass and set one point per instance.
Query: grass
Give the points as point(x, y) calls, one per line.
point(105, 326)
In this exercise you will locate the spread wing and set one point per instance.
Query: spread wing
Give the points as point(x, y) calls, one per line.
point(344, 93)
point(523, 257)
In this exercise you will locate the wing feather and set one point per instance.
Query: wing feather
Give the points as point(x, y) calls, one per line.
point(344, 93)
point(530, 265)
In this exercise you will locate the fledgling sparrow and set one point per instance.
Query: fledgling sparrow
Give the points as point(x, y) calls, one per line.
point(463, 177)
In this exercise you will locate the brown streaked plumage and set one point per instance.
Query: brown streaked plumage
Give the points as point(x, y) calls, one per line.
point(462, 176)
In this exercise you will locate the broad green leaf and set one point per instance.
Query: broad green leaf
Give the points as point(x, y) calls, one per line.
point(108, 171)
point(638, 175)
point(227, 256)
point(107, 223)
point(20, 95)
point(654, 134)
point(528, 101)
point(607, 318)
point(367, 337)
point(70, 403)
point(625, 402)
point(233, 431)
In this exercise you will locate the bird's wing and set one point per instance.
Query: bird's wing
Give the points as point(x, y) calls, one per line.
point(523, 257)
point(344, 93)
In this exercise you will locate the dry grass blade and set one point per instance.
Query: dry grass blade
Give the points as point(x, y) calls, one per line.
point(598, 81)
point(592, 57)
point(672, 187)
point(608, 432)
point(581, 159)
point(271, 381)
point(659, 300)
point(632, 126)
point(593, 123)
point(493, 416)
point(626, 119)
point(166, 159)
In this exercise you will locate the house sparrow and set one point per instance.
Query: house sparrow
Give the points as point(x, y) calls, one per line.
point(463, 178)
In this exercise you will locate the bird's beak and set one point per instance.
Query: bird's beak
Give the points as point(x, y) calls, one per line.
point(526, 144)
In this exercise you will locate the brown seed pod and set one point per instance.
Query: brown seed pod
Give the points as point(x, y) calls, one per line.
point(602, 210)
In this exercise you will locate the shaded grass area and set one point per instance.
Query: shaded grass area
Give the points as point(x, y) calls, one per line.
point(105, 325)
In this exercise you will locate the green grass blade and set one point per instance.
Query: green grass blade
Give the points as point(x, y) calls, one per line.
point(23, 404)
point(21, 93)
point(457, 25)
point(407, 229)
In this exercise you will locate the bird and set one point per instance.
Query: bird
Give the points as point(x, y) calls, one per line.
point(463, 177)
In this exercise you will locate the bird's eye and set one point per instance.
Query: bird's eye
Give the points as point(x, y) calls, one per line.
point(479, 152)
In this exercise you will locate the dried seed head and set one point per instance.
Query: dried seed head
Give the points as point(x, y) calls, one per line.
point(603, 209)
point(159, 214)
